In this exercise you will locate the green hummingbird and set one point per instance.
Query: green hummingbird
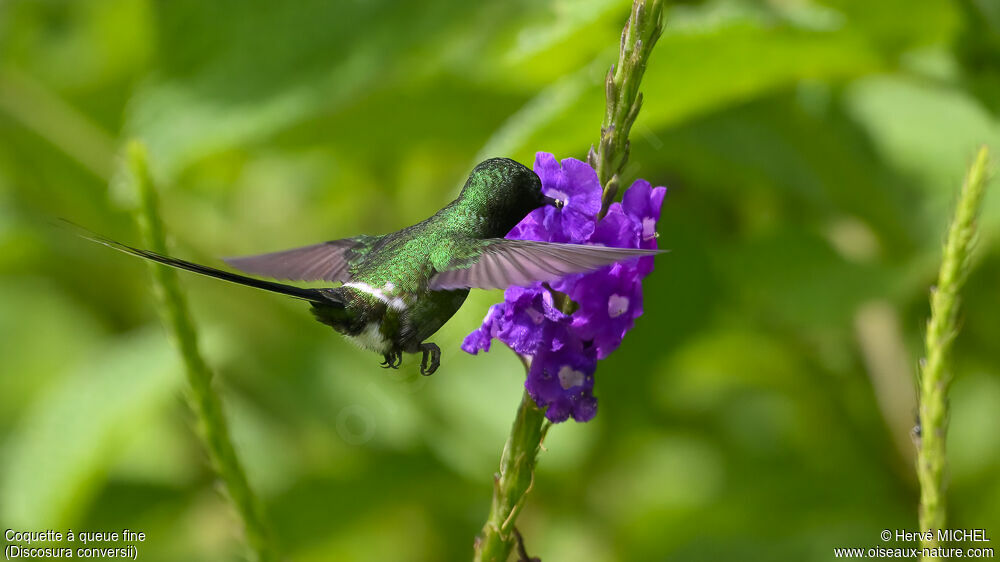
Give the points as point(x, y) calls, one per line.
point(399, 288)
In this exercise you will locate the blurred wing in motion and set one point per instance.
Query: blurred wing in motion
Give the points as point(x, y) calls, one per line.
point(326, 261)
point(501, 263)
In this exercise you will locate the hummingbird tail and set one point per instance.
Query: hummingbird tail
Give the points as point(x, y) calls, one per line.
point(312, 295)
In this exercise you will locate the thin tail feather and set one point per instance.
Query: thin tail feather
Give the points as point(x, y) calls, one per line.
point(311, 295)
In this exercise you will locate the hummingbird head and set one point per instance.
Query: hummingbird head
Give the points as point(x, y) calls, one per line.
point(503, 192)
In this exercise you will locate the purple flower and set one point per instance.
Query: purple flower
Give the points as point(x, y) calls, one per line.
point(564, 349)
point(642, 204)
point(524, 321)
point(561, 380)
point(576, 184)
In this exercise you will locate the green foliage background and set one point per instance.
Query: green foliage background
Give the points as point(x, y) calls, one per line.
point(760, 410)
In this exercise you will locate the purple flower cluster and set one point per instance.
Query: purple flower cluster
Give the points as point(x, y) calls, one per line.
point(564, 348)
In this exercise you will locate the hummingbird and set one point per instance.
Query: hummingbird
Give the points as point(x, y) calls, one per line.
point(398, 289)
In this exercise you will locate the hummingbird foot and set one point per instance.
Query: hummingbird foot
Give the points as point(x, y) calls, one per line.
point(392, 359)
point(434, 352)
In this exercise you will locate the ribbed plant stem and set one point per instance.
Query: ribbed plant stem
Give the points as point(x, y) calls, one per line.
point(941, 330)
point(511, 484)
point(645, 24)
point(517, 464)
point(202, 395)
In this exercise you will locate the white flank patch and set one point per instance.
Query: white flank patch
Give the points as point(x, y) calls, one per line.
point(394, 303)
point(569, 378)
point(371, 338)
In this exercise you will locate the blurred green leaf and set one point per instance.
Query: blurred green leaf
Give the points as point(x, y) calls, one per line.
point(686, 76)
point(930, 132)
point(72, 434)
point(810, 148)
point(225, 82)
point(28, 336)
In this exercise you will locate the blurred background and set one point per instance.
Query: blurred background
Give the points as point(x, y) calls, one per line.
point(760, 410)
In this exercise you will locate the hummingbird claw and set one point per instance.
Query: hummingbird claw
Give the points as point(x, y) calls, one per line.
point(393, 360)
point(433, 352)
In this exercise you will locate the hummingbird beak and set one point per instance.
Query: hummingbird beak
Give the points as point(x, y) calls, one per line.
point(557, 203)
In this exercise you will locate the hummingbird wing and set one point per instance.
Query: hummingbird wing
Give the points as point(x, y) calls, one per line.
point(499, 263)
point(326, 261)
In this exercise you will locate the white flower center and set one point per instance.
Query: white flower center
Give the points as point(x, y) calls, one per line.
point(569, 378)
point(648, 228)
point(535, 315)
point(556, 194)
point(617, 305)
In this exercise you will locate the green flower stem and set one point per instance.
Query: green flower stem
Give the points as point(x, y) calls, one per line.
point(941, 330)
point(517, 464)
point(512, 483)
point(645, 24)
point(204, 400)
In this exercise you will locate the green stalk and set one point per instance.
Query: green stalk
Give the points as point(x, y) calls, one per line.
point(517, 464)
point(203, 398)
point(941, 330)
point(511, 485)
point(645, 24)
